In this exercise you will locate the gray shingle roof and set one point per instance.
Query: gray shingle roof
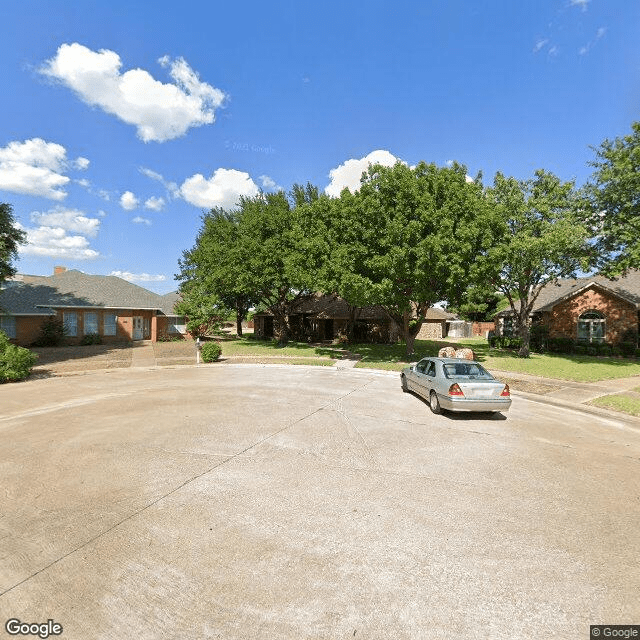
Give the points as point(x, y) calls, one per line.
point(36, 294)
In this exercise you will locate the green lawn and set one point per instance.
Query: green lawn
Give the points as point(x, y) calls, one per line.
point(562, 367)
point(626, 403)
point(250, 347)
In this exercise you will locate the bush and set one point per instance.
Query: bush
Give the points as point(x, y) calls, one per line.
point(91, 338)
point(580, 349)
point(561, 345)
point(604, 349)
point(52, 333)
point(592, 351)
point(505, 342)
point(539, 338)
point(15, 362)
point(628, 349)
point(637, 353)
point(210, 351)
point(616, 351)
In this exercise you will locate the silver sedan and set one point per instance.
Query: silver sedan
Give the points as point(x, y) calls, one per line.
point(456, 385)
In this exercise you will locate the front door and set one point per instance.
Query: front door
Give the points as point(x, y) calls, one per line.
point(138, 328)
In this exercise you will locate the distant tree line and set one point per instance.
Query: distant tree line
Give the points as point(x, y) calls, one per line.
point(413, 236)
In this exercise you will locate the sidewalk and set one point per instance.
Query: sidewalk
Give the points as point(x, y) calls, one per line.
point(569, 394)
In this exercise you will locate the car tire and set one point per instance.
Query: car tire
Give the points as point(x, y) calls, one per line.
point(403, 381)
point(434, 403)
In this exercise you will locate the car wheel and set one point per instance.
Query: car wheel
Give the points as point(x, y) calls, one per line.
point(434, 403)
point(403, 380)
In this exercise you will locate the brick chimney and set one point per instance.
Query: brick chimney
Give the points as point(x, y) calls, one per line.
point(58, 269)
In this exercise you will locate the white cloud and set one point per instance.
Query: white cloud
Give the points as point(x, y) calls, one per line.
point(141, 220)
point(54, 242)
point(222, 189)
point(269, 183)
point(105, 195)
point(599, 34)
point(171, 187)
point(348, 174)
point(128, 201)
point(540, 44)
point(80, 163)
point(36, 167)
point(154, 204)
point(138, 277)
point(68, 219)
point(580, 3)
point(159, 111)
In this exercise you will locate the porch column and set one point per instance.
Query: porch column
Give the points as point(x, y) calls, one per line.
point(154, 327)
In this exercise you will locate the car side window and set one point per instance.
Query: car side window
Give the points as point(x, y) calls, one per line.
point(431, 370)
point(420, 366)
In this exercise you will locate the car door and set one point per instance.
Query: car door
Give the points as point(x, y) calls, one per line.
point(429, 378)
point(421, 385)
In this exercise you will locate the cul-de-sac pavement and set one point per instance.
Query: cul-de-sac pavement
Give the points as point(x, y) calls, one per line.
point(245, 501)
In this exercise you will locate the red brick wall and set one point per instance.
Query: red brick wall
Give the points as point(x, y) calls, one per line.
point(619, 315)
point(27, 329)
point(481, 328)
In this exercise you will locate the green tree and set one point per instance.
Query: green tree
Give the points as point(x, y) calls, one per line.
point(613, 193)
point(10, 238)
point(260, 255)
point(204, 312)
point(210, 272)
point(409, 239)
point(542, 240)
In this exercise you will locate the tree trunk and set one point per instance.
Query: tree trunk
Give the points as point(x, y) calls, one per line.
point(238, 325)
point(281, 327)
point(354, 313)
point(524, 334)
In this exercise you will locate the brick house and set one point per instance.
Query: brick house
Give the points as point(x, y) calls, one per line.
point(325, 316)
point(593, 309)
point(109, 306)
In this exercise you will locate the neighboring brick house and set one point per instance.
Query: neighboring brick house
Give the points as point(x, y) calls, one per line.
point(109, 306)
point(325, 316)
point(593, 309)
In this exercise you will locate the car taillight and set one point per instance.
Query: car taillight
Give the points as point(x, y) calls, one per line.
point(455, 390)
point(505, 392)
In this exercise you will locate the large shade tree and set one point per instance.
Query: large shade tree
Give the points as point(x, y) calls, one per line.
point(408, 239)
point(541, 241)
point(613, 194)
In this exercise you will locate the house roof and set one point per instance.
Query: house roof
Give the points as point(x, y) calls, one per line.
point(36, 295)
point(625, 287)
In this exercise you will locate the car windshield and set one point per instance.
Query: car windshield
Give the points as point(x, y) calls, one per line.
point(470, 370)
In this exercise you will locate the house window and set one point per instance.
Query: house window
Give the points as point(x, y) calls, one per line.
point(110, 324)
point(8, 325)
point(90, 322)
point(70, 321)
point(507, 325)
point(176, 324)
point(591, 327)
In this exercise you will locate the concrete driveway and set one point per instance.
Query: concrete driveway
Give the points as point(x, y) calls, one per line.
point(301, 502)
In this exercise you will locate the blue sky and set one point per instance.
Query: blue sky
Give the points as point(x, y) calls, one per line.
point(122, 122)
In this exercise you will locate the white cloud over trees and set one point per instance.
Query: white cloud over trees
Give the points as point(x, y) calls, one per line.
point(222, 189)
point(349, 173)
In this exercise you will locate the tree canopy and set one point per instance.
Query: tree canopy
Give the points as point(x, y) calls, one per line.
point(10, 238)
point(541, 241)
point(613, 194)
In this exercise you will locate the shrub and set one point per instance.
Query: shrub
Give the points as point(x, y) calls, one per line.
point(604, 349)
point(628, 349)
point(561, 345)
point(91, 338)
point(15, 362)
point(210, 351)
point(539, 338)
point(580, 349)
point(616, 351)
point(52, 333)
point(592, 351)
point(637, 353)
